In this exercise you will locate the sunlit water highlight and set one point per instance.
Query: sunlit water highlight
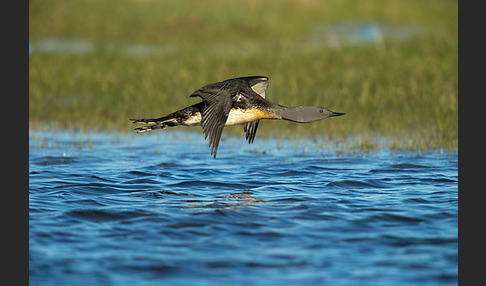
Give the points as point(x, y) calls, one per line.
point(157, 209)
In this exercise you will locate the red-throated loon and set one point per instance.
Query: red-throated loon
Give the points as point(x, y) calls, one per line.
point(234, 101)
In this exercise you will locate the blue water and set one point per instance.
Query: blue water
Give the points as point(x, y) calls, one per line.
point(157, 209)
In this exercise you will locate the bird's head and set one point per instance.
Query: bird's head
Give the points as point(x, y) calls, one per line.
point(304, 114)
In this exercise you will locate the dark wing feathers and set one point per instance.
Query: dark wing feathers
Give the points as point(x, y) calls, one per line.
point(259, 85)
point(218, 100)
point(218, 103)
point(250, 128)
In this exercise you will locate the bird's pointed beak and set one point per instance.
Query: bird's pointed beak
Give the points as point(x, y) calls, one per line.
point(336, 114)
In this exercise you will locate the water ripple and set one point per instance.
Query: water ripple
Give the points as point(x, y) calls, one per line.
point(125, 213)
point(371, 183)
point(96, 215)
point(50, 160)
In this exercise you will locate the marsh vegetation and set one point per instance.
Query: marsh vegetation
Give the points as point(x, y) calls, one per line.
point(392, 66)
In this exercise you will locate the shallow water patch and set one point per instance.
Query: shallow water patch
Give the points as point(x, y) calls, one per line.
point(339, 34)
point(282, 216)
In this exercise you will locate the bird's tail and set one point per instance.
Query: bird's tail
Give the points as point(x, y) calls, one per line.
point(155, 123)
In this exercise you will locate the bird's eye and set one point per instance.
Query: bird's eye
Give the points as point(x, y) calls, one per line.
point(321, 111)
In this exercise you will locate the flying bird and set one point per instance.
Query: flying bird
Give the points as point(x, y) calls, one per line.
point(234, 101)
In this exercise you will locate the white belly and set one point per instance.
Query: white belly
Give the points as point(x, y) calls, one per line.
point(240, 116)
point(236, 116)
point(193, 120)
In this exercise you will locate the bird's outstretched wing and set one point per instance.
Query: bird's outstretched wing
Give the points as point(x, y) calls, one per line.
point(218, 103)
point(259, 85)
point(250, 129)
point(219, 98)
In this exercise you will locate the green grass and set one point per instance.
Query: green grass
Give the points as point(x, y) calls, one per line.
point(402, 89)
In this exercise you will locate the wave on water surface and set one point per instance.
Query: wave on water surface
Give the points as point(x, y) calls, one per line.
point(121, 211)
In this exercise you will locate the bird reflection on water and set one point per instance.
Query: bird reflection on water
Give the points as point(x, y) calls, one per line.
point(244, 198)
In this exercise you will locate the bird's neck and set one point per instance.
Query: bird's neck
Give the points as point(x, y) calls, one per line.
point(292, 113)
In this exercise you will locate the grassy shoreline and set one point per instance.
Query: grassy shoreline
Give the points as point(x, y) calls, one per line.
point(144, 58)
